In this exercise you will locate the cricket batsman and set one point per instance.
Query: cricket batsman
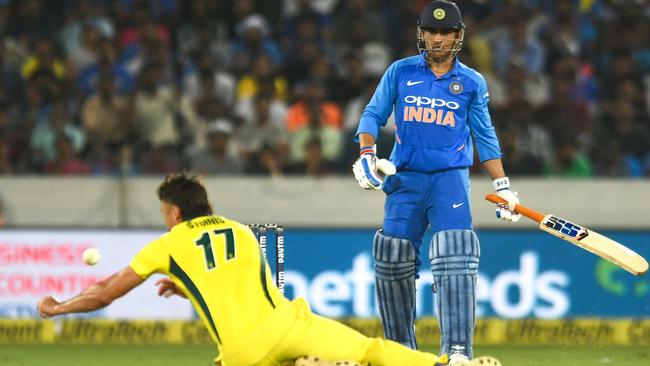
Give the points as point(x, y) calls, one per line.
point(441, 109)
point(216, 263)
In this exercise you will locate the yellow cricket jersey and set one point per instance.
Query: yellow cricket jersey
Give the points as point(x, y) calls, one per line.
point(218, 264)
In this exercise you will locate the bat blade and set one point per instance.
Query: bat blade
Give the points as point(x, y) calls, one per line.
point(595, 243)
point(591, 241)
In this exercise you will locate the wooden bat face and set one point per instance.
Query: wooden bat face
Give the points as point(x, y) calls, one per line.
point(595, 243)
point(589, 240)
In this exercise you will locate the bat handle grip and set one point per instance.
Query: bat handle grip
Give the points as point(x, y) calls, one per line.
point(528, 212)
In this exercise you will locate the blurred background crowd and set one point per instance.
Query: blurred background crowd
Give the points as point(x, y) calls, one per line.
point(276, 87)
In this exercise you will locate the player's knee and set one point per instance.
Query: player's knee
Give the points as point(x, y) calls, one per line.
point(454, 252)
point(393, 254)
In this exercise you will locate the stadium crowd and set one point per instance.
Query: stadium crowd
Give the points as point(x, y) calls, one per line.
point(274, 87)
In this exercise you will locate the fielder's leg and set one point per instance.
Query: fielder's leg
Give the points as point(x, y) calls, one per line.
point(395, 282)
point(454, 256)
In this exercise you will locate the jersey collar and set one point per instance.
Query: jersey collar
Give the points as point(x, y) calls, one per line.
point(455, 70)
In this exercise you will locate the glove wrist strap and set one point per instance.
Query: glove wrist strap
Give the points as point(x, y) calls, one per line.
point(500, 184)
point(367, 150)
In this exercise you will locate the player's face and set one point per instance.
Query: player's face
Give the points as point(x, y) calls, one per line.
point(439, 43)
point(170, 214)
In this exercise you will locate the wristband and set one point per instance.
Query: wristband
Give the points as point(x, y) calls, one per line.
point(500, 184)
point(367, 150)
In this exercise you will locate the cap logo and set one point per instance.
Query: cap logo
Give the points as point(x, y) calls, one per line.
point(439, 14)
point(456, 87)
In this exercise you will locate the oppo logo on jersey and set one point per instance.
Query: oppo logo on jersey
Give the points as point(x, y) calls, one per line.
point(433, 114)
point(424, 101)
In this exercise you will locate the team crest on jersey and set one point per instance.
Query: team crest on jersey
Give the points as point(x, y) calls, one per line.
point(456, 87)
point(439, 13)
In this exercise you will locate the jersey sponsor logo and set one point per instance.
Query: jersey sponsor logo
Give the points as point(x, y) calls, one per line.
point(433, 102)
point(456, 205)
point(430, 110)
point(411, 83)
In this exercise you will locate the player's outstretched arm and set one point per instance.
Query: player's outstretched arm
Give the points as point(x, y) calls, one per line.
point(93, 297)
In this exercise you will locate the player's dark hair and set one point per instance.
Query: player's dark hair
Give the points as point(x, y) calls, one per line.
point(187, 193)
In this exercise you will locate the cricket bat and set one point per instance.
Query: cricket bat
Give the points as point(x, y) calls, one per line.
point(589, 240)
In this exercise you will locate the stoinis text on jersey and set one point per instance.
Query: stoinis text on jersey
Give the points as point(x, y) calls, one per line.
point(210, 220)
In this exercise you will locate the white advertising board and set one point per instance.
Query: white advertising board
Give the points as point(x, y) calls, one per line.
point(34, 264)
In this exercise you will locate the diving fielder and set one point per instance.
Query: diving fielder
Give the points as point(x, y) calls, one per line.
point(216, 263)
point(439, 103)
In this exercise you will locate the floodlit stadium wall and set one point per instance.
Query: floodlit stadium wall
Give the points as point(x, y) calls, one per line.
point(532, 288)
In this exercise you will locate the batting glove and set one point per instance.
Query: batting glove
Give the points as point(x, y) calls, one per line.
point(506, 211)
point(365, 169)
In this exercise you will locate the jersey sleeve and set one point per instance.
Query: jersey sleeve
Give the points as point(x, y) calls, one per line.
point(380, 107)
point(480, 123)
point(153, 258)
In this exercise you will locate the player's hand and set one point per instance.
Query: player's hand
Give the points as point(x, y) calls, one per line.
point(506, 211)
point(46, 307)
point(167, 288)
point(365, 169)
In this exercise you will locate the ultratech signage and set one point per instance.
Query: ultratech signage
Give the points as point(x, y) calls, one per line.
point(592, 332)
point(116, 332)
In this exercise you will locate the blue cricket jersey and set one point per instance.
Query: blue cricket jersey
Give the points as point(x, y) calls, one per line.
point(434, 117)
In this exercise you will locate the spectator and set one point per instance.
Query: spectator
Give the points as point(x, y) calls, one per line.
point(202, 65)
point(159, 160)
point(630, 134)
point(106, 119)
point(518, 46)
point(253, 41)
point(218, 158)
point(155, 109)
point(312, 116)
point(263, 72)
point(568, 161)
point(10, 79)
point(262, 143)
point(44, 59)
point(85, 13)
point(200, 110)
point(5, 156)
point(65, 161)
point(86, 54)
point(106, 63)
point(315, 164)
point(44, 136)
point(351, 81)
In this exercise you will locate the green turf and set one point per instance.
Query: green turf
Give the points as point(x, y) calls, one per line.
point(68, 355)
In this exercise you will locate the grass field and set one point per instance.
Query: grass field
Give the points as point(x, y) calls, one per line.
point(82, 355)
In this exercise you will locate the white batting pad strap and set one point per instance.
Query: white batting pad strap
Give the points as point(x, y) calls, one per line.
point(501, 183)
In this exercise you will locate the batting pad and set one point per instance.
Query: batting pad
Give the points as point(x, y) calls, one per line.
point(454, 256)
point(395, 283)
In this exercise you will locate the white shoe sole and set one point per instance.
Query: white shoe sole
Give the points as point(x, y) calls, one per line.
point(485, 361)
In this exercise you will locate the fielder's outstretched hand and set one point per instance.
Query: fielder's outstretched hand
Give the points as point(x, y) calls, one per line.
point(46, 307)
point(503, 211)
